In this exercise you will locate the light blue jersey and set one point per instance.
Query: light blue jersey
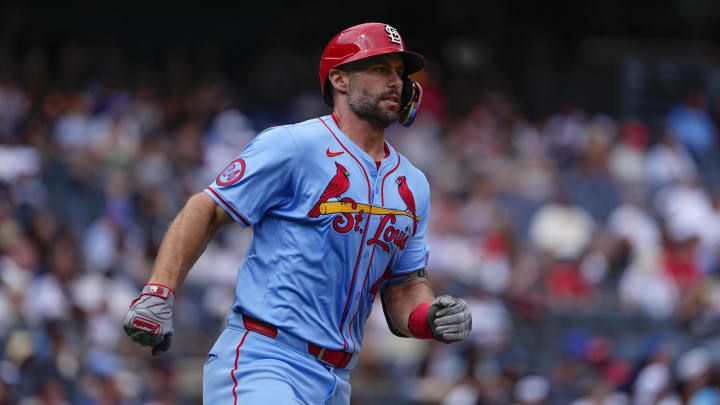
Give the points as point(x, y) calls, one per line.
point(330, 229)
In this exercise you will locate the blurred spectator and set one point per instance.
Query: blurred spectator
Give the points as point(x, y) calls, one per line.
point(693, 126)
point(695, 372)
point(562, 229)
point(632, 222)
point(627, 158)
point(654, 385)
point(668, 162)
point(532, 390)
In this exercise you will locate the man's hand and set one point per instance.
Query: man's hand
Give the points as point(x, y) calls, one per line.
point(450, 319)
point(149, 319)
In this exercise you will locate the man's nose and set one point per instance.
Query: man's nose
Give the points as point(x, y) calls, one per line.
point(397, 82)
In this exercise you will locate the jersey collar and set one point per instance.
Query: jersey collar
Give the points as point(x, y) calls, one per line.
point(391, 154)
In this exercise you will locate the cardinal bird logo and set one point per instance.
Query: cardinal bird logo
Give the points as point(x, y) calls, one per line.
point(407, 197)
point(338, 185)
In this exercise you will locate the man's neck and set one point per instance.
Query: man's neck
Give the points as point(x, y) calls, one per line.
point(368, 137)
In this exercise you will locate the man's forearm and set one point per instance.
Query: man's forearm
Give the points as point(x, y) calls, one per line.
point(402, 300)
point(186, 240)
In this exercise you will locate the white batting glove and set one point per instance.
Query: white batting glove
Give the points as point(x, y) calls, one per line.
point(149, 319)
point(450, 319)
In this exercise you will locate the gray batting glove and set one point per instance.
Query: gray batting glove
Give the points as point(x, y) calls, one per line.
point(450, 319)
point(149, 319)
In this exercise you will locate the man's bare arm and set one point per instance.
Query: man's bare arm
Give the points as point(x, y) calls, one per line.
point(149, 320)
point(412, 310)
point(403, 299)
point(186, 239)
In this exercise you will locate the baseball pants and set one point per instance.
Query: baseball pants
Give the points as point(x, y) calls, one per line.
point(246, 367)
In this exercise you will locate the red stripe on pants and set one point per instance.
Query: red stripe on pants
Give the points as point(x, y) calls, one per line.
point(232, 373)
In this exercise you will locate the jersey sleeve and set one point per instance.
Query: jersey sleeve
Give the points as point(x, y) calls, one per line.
point(417, 249)
point(258, 179)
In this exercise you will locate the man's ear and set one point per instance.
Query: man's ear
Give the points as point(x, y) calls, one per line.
point(339, 80)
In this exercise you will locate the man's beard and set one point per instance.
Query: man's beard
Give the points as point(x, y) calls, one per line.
point(367, 106)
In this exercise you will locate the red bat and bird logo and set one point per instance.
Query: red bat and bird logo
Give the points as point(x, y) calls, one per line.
point(339, 184)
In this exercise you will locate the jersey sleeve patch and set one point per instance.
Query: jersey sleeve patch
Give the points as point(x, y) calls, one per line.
point(259, 179)
point(232, 173)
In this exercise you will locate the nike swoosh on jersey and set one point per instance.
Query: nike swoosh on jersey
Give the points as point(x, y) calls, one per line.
point(333, 154)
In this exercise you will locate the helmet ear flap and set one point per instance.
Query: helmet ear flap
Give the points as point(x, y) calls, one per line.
point(409, 101)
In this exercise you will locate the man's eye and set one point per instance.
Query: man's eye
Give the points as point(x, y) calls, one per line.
point(380, 69)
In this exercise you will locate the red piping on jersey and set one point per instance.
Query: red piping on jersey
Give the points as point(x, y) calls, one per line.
point(401, 275)
point(350, 153)
point(352, 285)
point(382, 185)
point(387, 150)
point(229, 207)
point(387, 153)
point(357, 311)
point(362, 242)
point(232, 373)
point(376, 287)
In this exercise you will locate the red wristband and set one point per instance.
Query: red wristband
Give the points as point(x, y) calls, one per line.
point(418, 322)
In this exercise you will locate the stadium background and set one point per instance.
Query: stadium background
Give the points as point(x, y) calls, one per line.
point(572, 151)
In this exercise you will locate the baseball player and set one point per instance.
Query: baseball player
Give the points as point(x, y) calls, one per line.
point(338, 217)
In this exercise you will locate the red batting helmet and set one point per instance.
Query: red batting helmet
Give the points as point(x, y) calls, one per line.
point(366, 40)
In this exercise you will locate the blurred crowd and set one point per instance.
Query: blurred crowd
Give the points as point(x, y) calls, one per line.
point(587, 245)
